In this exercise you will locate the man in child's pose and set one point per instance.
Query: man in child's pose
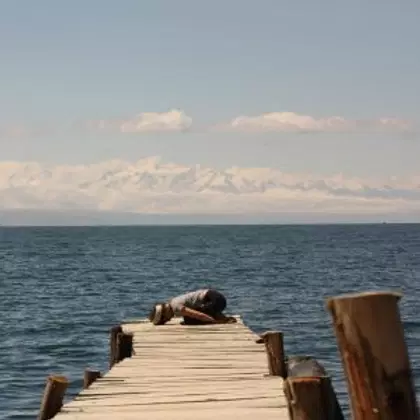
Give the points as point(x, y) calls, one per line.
point(204, 306)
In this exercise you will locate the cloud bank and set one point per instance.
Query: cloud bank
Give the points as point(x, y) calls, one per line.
point(152, 186)
point(292, 122)
point(176, 120)
point(147, 122)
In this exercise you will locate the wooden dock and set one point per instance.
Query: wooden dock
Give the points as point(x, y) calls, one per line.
point(185, 372)
point(218, 372)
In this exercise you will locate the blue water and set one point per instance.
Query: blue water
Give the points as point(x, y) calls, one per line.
point(63, 288)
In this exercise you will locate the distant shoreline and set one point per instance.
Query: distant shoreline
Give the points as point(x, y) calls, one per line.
point(52, 218)
point(205, 225)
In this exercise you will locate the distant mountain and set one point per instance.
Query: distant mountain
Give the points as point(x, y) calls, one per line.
point(150, 186)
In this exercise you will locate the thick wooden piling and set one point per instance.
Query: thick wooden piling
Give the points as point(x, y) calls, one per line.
point(52, 400)
point(312, 398)
point(89, 377)
point(273, 341)
point(371, 340)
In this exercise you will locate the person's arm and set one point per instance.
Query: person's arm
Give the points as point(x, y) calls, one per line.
point(223, 319)
point(192, 313)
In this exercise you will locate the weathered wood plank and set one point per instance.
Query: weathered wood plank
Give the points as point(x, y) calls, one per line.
point(188, 372)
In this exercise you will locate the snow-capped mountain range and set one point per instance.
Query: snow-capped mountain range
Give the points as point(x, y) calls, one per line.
point(153, 186)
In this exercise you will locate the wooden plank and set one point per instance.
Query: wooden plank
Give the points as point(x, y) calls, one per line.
point(188, 372)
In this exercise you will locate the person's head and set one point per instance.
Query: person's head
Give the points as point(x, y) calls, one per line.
point(161, 313)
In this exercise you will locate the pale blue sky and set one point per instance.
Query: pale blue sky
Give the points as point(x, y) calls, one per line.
point(64, 62)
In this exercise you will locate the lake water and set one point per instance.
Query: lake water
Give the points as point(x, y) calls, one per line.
point(63, 288)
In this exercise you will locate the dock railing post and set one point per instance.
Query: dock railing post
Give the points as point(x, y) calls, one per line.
point(124, 346)
point(311, 398)
point(89, 377)
point(371, 341)
point(52, 400)
point(120, 345)
point(273, 341)
point(113, 344)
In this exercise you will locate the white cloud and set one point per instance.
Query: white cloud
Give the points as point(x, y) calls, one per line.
point(173, 120)
point(152, 186)
point(292, 122)
point(145, 122)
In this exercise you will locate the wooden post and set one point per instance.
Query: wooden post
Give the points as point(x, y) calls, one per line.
point(124, 346)
point(89, 377)
point(370, 337)
point(274, 347)
point(52, 400)
point(113, 344)
point(311, 398)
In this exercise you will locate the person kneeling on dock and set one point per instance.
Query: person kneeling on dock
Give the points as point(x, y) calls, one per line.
point(204, 306)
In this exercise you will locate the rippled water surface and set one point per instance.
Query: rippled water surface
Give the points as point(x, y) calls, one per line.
point(63, 288)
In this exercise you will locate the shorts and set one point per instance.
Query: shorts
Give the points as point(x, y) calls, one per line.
point(213, 304)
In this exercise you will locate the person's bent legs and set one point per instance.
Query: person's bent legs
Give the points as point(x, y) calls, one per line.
point(214, 305)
